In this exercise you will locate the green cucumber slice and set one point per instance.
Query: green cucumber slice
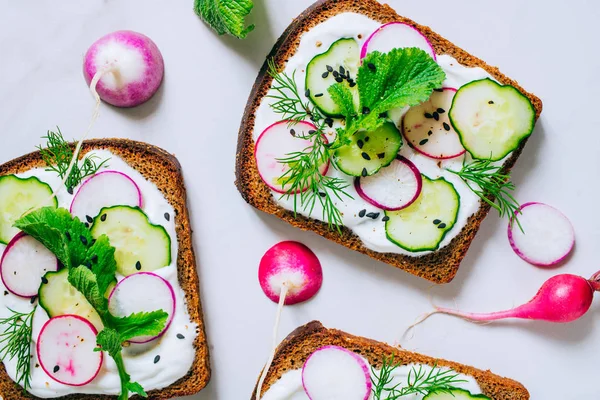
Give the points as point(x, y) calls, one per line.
point(368, 152)
point(454, 394)
point(18, 195)
point(341, 62)
point(58, 297)
point(139, 245)
point(491, 120)
point(423, 225)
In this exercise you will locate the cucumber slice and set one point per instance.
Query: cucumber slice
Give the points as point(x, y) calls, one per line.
point(368, 152)
point(18, 195)
point(454, 394)
point(338, 64)
point(491, 120)
point(139, 245)
point(423, 225)
point(58, 297)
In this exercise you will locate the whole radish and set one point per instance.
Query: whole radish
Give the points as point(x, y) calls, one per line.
point(131, 65)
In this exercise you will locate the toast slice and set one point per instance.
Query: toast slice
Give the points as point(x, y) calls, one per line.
point(162, 169)
point(440, 266)
point(293, 351)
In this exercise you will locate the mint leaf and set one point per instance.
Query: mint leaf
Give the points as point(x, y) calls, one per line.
point(84, 280)
point(101, 256)
point(225, 16)
point(140, 324)
point(108, 340)
point(342, 96)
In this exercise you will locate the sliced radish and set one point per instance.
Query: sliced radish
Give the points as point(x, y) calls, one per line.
point(393, 188)
point(277, 142)
point(65, 349)
point(24, 262)
point(547, 238)
point(295, 265)
point(143, 292)
point(428, 129)
point(335, 373)
point(396, 35)
point(105, 189)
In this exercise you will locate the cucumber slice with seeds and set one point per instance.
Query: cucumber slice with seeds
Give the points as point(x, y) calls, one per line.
point(139, 245)
point(18, 195)
point(491, 120)
point(338, 64)
point(368, 152)
point(454, 394)
point(423, 225)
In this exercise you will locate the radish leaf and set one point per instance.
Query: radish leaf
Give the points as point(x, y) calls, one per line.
point(225, 16)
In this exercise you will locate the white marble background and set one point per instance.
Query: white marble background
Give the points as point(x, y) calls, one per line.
point(548, 46)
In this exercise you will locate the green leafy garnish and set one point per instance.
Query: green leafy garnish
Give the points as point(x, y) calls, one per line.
point(15, 340)
point(226, 16)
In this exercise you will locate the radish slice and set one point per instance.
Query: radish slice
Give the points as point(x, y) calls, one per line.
point(335, 373)
point(548, 236)
point(428, 129)
point(276, 143)
point(396, 35)
point(65, 349)
point(143, 292)
point(295, 265)
point(105, 189)
point(24, 262)
point(393, 188)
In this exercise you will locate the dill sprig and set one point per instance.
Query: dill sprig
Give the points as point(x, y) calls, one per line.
point(16, 342)
point(486, 180)
point(419, 381)
point(57, 155)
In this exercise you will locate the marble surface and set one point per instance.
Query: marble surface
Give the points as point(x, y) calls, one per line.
point(548, 46)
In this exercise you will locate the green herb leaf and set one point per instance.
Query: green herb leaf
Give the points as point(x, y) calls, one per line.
point(140, 324)
point(342, 96)
point(109, 341)
point(225, 16)
point(84, 280)
point(101, 256)
point(136, 388)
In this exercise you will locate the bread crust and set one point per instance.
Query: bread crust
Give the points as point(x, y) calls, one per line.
point(440, 266)
point(293, 351)
point(164, 170)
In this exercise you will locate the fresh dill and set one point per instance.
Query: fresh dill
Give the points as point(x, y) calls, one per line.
point(492, 185)
point(57, 154)
point(15, 340)
point(419, 381)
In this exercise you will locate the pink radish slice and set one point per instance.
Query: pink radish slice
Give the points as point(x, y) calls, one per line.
point(393, 188)
point(276, 143)
point(294, 264)
point(134, 68)
point(143, 292)
point(396, 35)
point(335, 373)
point(547, 238)
point(65, 349)
point(24, 262)
point(428, 130)
point(105, 189)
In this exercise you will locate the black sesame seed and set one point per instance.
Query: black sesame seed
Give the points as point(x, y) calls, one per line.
point(446, 126)
point(322, 194)
point(138, 265)
point(381, 155)
point(491, 102)
point(44, 280)
point(89, 219)
point(86, 224)
point(442, 225)
point(373, 215)
point(362, 213)
point(56, 368)
point(180, 336)
point(360, 144)
point(325, 75)
point(68, 236)
point(167, 216)
point(339, 79)
point(312, 132)
point(95, 258)
point(437, 222)
point(33, 299)
point(70, 190)
point(385, 219)
point(329, 122)
point(329, 68)
point(6, 292)
point(156, 359)
point(307, 93)
point(366, 110)
point(103, 217)
point(352, 84)
point(427, 115)
point(372, 67)
point(342, 70)
point(336, 74)
point(436, 116)
point(364, 172)
point(441, 110)
point(422, 142)
point(367, 139)
point(319, 95)
point(366, 156)
point(83, 240)
point(429, 133)
point(383, 115)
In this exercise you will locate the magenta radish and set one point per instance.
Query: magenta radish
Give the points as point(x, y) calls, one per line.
point(393, 188)
point(276, 143)
point(428, 130)
point(335, 373)
point(547, 237)
point(105, 189)
point(396, 35)
point(132, 67)
point(143, 292)
point(65, 349)
point(24, 262)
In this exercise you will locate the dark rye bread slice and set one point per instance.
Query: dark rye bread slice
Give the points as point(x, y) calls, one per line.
point(440, 266)
point(295, 349)
point(162, 169)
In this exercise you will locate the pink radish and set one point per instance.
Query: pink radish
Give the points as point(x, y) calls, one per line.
point(276, 143)
point(65, 349)
point(132, 64)
point(335, 373)
point(24, 263)
point(396, 35)
point(143, 292)
point(105, 189)
point(547, 237)
point(393, 188)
